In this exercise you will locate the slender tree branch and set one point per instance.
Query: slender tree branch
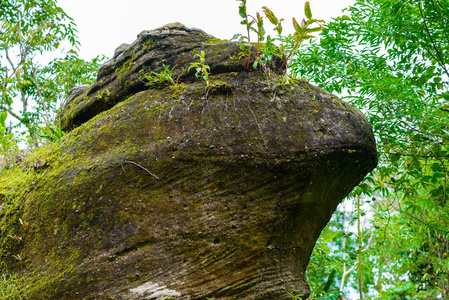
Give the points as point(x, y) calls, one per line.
point(420, 156)
point(345, 271)
point(445, 175)
point(12, 114)
point(136, 164)
point(425, 223)
point(360, 248)
point(437, 51)
point(15, 69)
point(42, 100)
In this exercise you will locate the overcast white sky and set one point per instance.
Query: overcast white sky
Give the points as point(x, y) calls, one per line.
point(105, 24)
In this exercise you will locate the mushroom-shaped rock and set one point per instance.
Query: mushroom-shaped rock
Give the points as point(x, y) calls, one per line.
point(186, 191)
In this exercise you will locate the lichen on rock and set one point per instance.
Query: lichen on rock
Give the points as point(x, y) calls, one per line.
point(193, 192)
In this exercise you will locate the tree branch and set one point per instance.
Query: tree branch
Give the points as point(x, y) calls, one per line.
point(15, 69)
point(136, 164)
point(425, 223)
point(42, 100)
point(437, 51)
point(12, 113)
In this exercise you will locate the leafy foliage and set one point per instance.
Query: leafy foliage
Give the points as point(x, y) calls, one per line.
point(63, 74)
point(202, 70)
point(265, 51)
point(160, 80)
point(28, 31)
point(51, 132)
point(391, 58)
point(8, 145)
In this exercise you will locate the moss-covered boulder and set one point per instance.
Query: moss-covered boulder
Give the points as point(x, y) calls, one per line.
point(184, 191)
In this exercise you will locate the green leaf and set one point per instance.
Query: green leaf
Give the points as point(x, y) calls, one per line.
point(438, 175)
point(3, 117)
point(330, 280)
point(436, 168)
point(307, 10)
point(270, 15)
point(298, 28)
point(279, 28)
point(242, 11)
point(236, 36)
point(306, 37)
point(394, 157)
point(316, 29)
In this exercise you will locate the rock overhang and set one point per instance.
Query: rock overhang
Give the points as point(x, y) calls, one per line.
point(246, 174)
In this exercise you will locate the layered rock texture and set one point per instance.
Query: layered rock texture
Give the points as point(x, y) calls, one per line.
point(181, 191)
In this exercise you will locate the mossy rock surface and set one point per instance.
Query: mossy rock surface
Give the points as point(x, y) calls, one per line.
point(182, 191)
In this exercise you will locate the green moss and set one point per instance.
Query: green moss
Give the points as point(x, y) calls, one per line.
point(124, 69)
point(232, 165)
point(148, 45)
point(216, 41)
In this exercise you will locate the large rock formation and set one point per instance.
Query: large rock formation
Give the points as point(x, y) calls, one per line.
point(184, 191)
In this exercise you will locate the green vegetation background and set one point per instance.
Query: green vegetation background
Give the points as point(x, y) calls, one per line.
point(388, 58)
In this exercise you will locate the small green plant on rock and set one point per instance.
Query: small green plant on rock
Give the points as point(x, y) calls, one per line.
point(293, 294)
point(160, 80)
point(202, 70)
point(51, 132)
point(264, 51)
